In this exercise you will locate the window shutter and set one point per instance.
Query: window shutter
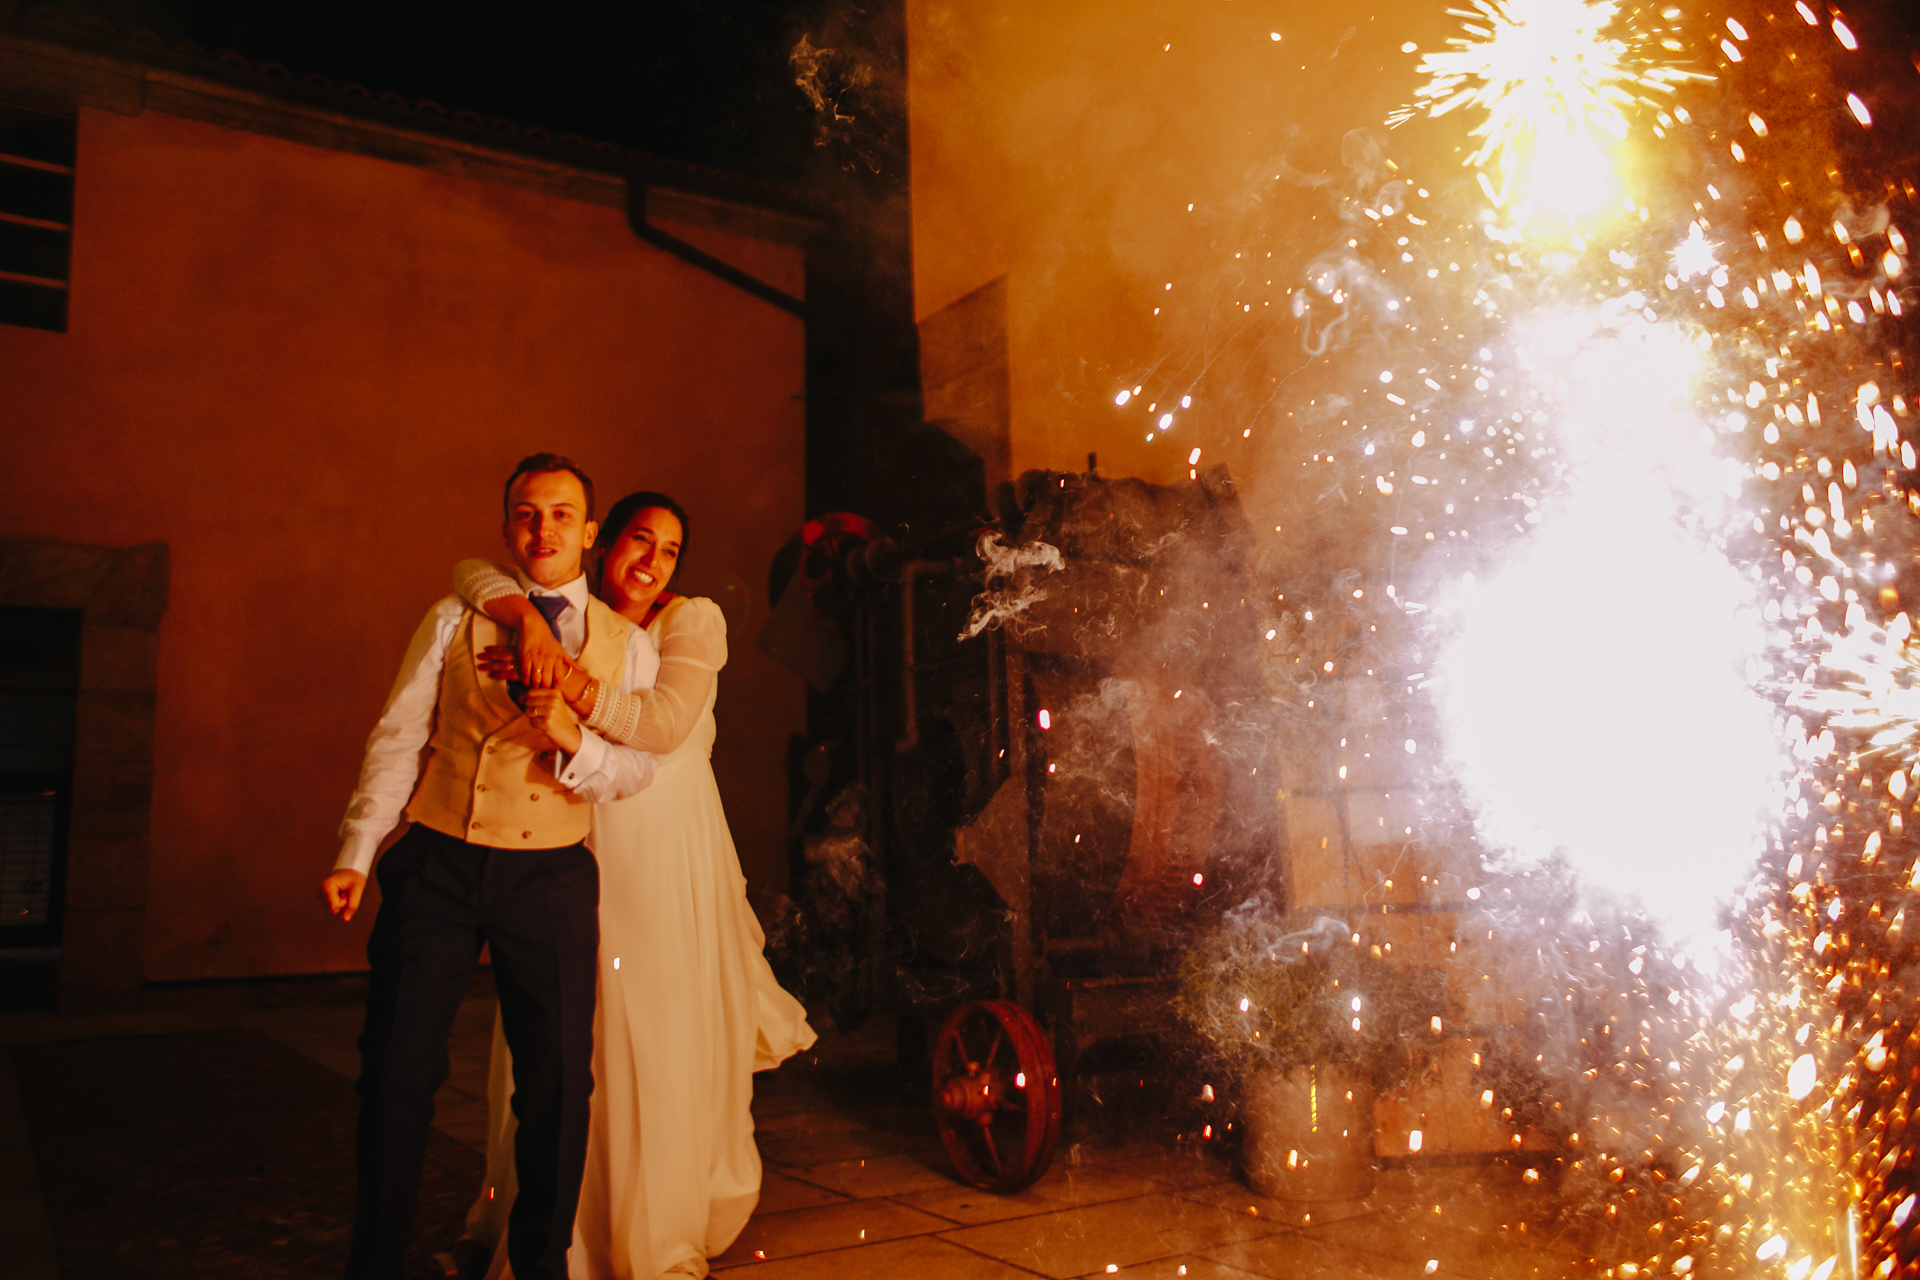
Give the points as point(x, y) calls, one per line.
point(36, 216)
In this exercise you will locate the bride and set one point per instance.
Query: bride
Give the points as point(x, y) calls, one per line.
point(688, 1008)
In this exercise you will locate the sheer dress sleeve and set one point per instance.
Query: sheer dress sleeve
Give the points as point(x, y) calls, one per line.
point(693, 648)
point(600, 771)
point(479, 582)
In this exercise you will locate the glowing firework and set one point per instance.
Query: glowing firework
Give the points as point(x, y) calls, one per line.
point(1556, 89)
point(1875, 693)
point(1695, 256)
point(1570, 668)
point(1769, 647)
point(1645, 498)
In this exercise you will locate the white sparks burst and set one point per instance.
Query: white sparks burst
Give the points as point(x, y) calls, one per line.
point(1553, 85)
point(1612, 610)
point(1874, 690)
point(1695, 255)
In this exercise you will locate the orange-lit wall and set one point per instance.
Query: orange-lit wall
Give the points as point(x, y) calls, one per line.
point(309, 372)
point(1061, 144)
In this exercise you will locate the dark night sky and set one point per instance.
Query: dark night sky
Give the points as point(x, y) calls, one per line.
point(695, 80)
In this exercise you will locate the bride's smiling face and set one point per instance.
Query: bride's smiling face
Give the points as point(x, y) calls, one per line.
point(640, 560)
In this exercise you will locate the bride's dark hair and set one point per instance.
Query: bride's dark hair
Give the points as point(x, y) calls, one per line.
point(622, 514)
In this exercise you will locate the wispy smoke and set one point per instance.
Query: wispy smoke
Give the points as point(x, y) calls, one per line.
point(1011, 589)
point(835, 84)
point(1347, 285)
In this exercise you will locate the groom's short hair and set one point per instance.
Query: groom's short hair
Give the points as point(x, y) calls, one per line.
point(539, 463)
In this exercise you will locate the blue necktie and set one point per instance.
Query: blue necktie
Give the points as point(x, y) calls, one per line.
point(550, 607)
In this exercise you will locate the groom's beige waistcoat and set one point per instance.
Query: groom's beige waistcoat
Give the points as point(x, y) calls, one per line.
point(485, 781)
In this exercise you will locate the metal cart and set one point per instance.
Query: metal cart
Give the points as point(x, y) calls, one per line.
point(1041, 772)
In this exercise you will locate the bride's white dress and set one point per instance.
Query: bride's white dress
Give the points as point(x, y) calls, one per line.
point(688, 1007)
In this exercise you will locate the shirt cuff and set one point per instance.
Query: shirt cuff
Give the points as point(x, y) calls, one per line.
point(586, 761)
point(358, 853)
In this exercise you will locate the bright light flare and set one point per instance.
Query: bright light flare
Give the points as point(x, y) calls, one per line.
point(1595, 698)
point(1555, 88)
point(1572, 173)
point(1594, 706)
point(1695, 255)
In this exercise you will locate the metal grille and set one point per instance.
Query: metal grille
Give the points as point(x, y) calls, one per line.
point(27, 829)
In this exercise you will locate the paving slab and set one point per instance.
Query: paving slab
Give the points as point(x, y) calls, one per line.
point(779, 1193)
point(845, 1225)
point(1291, 1256)
point(916, 1258)
point(893, 1175)
point(1189, 1266)
point(1061, 1187)
point(1120, 1233)
point(775, 1123)
point(26, 1236)
point(855, 1144)
point(1237, 1198)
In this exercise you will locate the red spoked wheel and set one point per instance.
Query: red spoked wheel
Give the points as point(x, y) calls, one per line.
point(996, 1095)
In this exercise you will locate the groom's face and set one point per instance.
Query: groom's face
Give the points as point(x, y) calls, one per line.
point(547, 529)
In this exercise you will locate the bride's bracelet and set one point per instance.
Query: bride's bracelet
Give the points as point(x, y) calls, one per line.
point(591, 696)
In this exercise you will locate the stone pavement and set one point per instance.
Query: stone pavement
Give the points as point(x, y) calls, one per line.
point(851, 1193)
point(26, 1238)
point(857, 1187)
point(319, 1018)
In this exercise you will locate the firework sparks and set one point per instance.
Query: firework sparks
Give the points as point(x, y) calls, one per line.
point(1613, 624)
point(1676, 450)
point(1555, 88)
point(1784, 1067)
point(1695, 255)
point(1873, 693)
point(1795, 1107)
point(1568, 674)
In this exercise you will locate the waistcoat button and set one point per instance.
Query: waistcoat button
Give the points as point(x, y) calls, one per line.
point(481, 787)
point(526, 835)
point(534, 796)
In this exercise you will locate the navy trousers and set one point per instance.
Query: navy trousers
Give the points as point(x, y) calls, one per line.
point(539, 912)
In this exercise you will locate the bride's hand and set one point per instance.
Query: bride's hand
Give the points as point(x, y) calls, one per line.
point(543, 663)
point(500, 662)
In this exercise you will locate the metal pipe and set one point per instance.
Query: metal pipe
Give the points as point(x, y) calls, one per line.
point(909, 695)
point(700, 258)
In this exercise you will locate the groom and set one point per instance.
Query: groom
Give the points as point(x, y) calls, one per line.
point(494, 856)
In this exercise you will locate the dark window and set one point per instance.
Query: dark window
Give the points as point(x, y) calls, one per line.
point(39, 692)
point(36, 216)
point(29, 827)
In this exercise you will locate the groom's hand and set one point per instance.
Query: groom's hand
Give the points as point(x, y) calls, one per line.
point(548, 712)
point(342, 892)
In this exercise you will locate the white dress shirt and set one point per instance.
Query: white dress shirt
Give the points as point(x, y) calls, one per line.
point(598, 772)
